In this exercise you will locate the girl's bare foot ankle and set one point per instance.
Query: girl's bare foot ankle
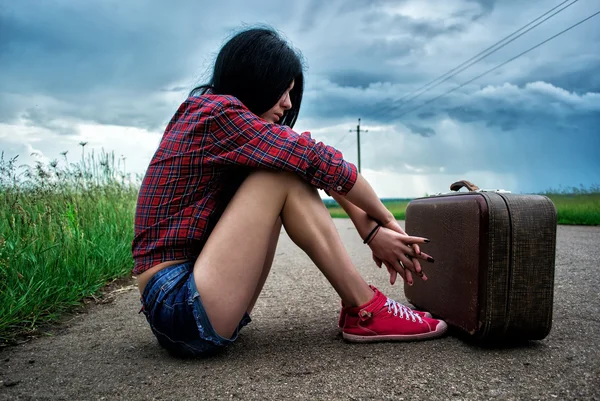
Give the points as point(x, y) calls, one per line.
point(360, 297)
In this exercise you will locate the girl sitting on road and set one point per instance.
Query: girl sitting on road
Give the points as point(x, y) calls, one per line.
point(228, 174)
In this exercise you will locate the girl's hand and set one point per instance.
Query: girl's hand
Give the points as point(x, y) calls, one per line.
point(392, 224)
point(393, 273)
point(399, 252)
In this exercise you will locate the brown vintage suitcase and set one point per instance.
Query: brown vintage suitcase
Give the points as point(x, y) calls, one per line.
point(493, 275)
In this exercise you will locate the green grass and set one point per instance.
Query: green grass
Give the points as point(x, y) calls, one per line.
point(577, 205)
point(65, 231)
point(398, 209)
point(574, 206)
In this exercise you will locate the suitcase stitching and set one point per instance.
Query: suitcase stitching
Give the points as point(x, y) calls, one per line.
point(511, 260)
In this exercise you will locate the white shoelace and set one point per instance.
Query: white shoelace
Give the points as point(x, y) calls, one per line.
point(402, 310)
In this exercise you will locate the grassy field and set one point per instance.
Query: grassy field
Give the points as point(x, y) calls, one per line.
point(66, 231)
point(398, 208)
point(577, 205)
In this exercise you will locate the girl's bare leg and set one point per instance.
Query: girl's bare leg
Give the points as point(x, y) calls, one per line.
point(268, 263)
point(230, 269)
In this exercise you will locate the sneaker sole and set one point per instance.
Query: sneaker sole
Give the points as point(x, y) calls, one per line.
point(439, 331)
point(427, 314)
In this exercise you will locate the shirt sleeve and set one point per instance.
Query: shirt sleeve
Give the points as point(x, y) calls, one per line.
point(243, 139)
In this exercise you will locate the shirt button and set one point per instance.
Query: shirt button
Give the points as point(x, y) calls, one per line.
point(339, 188)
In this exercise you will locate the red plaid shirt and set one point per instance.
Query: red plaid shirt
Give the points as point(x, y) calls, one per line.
point(210, 145)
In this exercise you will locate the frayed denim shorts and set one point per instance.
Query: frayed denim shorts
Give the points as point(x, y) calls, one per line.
point(173, 308)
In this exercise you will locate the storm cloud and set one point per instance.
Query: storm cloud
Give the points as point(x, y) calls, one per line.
point(113, 73)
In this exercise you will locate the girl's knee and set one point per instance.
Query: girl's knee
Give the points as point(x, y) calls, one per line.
point(283, 177)
point(279, 182)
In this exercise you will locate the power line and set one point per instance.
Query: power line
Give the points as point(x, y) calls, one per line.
point(341, 139)
point(476, 58)
point(499, 65)
point(473, 60)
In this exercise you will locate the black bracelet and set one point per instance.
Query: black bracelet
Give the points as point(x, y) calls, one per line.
point(373, 236)
point(371, 233)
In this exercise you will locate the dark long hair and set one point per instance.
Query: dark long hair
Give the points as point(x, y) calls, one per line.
point(257, 66)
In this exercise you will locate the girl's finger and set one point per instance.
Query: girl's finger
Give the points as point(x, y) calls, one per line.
point(377, 261)
point(412, 250)
point(407, 262)
point(390, 273)
point(416, 264)
point(417, 249)
point(419, 270)
point(414, 240)
point(393, 275)
point(406, 249)
point(398, 269)
point(407, 275)
point(426, 257)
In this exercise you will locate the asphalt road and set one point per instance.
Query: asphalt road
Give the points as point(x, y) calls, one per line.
point(292, 349)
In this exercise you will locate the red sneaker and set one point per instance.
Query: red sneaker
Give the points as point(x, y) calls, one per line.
point(344, 312)
point(383, 319)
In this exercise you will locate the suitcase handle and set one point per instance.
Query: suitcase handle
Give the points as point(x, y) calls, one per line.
point(464, 183)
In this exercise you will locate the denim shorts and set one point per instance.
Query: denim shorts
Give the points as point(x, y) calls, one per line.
point(173, 308)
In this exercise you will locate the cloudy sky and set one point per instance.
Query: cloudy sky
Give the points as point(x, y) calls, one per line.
point(112, 73)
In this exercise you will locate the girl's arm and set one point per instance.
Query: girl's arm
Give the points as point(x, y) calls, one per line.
point(361, 220)
point(362, 203)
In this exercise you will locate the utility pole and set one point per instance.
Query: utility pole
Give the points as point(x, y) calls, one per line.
point(358, 141)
